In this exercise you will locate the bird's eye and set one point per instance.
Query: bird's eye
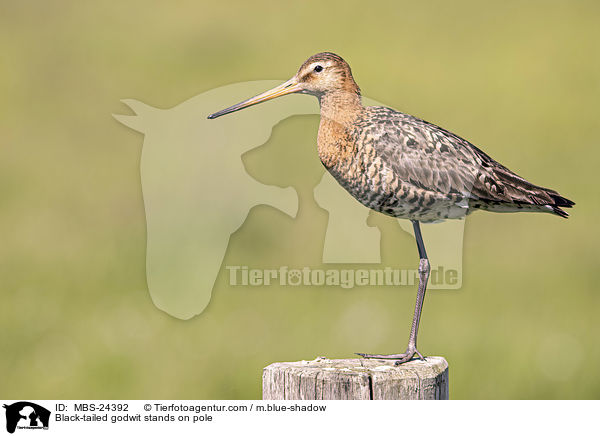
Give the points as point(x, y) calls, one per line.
point(318, 68)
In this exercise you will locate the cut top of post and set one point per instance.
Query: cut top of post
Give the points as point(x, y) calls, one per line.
point(356, 379)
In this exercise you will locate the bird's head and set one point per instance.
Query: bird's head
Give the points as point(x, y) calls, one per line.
point(325, 72)
point(320, 74)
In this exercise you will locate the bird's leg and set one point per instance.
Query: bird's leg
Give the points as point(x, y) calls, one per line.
point(411, 350)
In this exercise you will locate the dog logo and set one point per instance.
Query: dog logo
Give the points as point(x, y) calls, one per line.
point(26, 415)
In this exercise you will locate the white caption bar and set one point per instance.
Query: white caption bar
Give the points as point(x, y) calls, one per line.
point(297, 417)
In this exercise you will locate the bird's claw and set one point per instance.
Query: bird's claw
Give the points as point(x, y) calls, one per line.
point(399, 358)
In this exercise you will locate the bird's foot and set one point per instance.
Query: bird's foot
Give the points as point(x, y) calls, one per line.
point(399, 358)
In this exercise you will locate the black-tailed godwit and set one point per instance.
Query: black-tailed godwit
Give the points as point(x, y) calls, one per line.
point(403, 166)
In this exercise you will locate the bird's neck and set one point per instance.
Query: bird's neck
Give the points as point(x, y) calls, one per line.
point(339, 113)
point(341, 106)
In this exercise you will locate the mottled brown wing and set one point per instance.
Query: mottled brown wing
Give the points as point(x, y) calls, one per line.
point(430, 157)
point(423, 155)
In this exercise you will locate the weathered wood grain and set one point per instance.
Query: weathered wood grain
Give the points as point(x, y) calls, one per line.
point(356, 379)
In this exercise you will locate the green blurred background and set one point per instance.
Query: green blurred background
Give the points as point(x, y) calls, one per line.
point(520, 79)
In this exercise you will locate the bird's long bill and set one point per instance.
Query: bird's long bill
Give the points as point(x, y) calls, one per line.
point(285, 88)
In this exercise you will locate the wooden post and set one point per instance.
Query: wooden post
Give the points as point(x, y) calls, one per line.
point(356, 379)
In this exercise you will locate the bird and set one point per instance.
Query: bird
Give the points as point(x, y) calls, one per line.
point(403, 166)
